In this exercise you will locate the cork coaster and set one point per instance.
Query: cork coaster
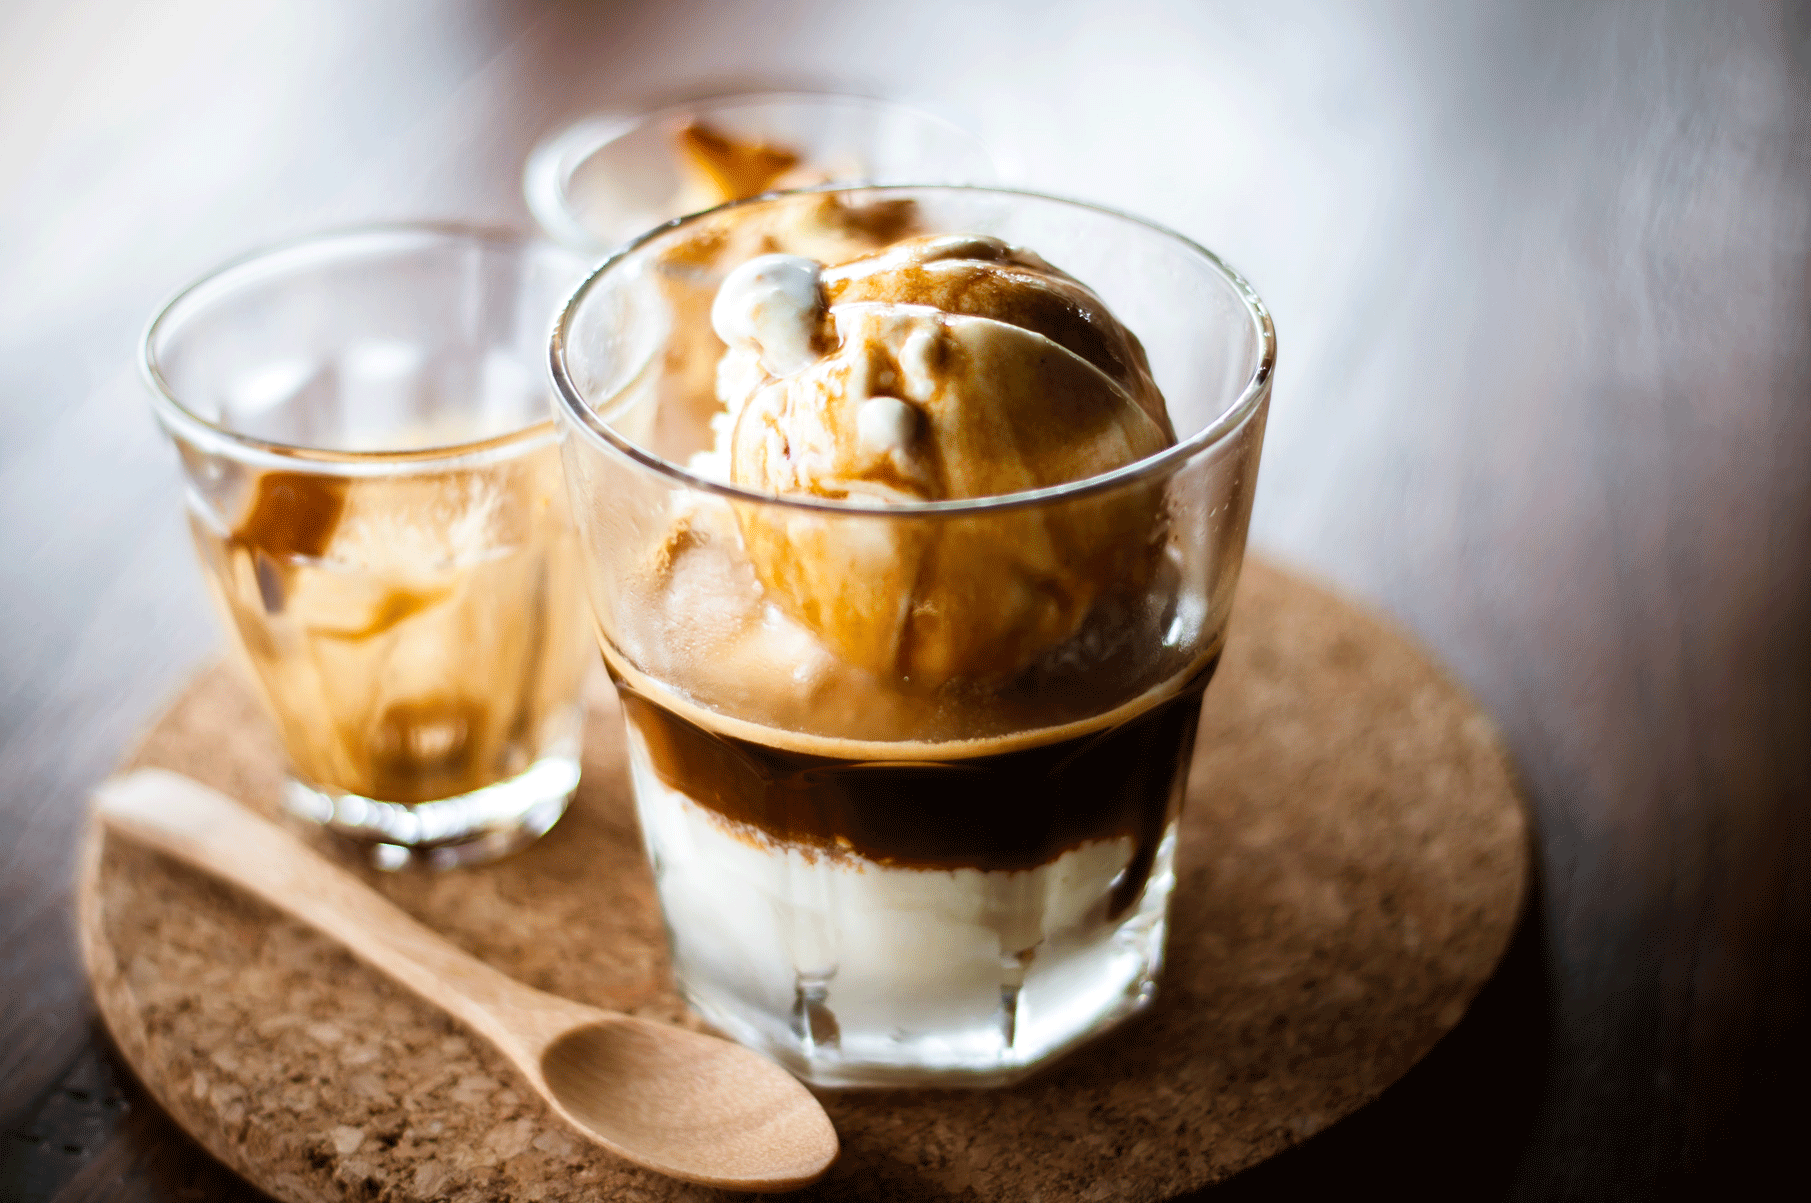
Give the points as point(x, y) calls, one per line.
point(1353, 859)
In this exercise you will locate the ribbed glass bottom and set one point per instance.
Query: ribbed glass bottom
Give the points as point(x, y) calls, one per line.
point(466, 829)
point(853, 973)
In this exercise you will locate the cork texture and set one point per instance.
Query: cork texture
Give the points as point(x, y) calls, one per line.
point(1352, 863)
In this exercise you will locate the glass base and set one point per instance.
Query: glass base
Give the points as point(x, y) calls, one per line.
point(1033, 1024)
point(853, 973)
point(465, 829)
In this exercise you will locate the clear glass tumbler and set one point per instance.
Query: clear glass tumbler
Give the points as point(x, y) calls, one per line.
point(601, 181)
point(877, 874)
point(374, 486)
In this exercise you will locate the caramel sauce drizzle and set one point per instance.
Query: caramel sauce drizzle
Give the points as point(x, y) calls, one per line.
point(737, 170)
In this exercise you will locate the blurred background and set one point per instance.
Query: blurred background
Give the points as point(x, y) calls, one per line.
point(1541, 275)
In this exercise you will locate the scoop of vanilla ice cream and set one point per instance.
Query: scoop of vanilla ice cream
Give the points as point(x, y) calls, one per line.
point(941, 367)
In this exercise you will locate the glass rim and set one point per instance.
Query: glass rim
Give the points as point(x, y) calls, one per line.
point(573, 407)
point(185, 423)
point(547, 173)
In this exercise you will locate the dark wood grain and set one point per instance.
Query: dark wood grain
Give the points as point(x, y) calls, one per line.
point(1542, 277)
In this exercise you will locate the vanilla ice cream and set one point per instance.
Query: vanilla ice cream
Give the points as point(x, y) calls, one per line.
point(943, 367)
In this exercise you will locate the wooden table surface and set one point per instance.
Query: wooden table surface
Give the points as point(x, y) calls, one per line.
point(1542, 280)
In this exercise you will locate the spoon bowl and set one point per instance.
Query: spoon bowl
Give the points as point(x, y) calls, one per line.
point(717, 1109)
point(677, 1102)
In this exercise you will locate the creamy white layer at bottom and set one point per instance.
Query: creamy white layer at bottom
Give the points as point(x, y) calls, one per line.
point(984, 964)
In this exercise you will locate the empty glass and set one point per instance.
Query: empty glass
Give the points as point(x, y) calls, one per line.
point(374, 487)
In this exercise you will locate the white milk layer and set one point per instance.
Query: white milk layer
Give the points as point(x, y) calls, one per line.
point(834, 958)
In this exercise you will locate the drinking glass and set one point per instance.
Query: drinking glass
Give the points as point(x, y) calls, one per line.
point(595, 184)
point(876, 870)
point(374, 487)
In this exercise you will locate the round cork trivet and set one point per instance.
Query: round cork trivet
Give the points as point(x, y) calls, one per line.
point(1353, 859)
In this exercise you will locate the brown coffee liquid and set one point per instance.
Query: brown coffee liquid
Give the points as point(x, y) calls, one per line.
point(393, 685)
point(1002, 811)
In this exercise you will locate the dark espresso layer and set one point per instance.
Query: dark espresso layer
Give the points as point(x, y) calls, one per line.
point(1005, 811)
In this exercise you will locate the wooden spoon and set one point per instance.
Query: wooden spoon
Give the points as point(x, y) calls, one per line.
point(687, 1105)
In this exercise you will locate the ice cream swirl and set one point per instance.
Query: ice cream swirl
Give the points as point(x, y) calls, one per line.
point(942, 367)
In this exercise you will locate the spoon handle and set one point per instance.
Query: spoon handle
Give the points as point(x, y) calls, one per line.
point(207, 830)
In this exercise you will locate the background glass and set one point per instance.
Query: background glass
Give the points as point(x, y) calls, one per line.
point(598, 183)
point(877, 879)
point(374, 487)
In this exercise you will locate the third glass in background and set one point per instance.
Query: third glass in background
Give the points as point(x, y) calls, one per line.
point(876, 868)
point(600, 182)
